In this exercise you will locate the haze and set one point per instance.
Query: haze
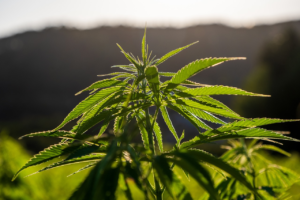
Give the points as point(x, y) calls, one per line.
point(19, 15)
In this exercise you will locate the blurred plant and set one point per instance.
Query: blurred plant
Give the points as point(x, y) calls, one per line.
point(12, 156)
point(117, 159)
point(272, 181)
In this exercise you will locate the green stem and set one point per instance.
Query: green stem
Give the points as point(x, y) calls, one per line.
point(158, 190)
point(242, 140)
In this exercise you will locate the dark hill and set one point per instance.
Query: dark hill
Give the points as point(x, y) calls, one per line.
point(41, 71)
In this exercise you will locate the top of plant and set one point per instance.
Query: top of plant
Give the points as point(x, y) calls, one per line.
point(126, 97)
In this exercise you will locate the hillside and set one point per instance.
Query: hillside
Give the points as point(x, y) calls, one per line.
point(41, 71)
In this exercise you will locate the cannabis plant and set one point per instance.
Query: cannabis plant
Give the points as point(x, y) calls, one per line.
point(117, 160)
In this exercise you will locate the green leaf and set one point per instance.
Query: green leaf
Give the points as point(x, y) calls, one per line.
point(132, 172)
point(215, 135)
point(125, 75)
point(277, 177)
point(204, 115)
point(141, 121)
point(93, 186)
point(151, 73)
point(158, 136)
point(214, 102)
point(218, 90)
point(207, 107)
point(51, 152)
point(114, 74)
point(104, 127)
point(167, 74)
point(126, 67)
point(192, 83)
point(206, 99)
point(88, 123)
point(206, 157)
point(179, 189)
point(131, 59)
point(251, 123)
point(88, 103)
point(156, 129)
point(172, 53)
point(168, 121)
point(160, 163)
point(51, 133)
point(272, 148)
point(190, 117)
point(144, 53)
point(194, 68)
point(95, 114)
point(92, 164)
point(164, 172)
point(87, 158)
point(83, 151)
point(103, 84)
point(199, 173)
point(117, 124)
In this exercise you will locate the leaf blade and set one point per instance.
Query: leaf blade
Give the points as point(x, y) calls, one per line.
point(172, 53)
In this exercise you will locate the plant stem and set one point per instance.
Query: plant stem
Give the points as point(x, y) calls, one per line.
point(158, 190)
point(242, 140)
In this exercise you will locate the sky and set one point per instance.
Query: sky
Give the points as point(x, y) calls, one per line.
point(22, 15)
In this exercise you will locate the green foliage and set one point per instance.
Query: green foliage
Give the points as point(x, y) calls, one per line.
point(49, 185)
point(117, 158)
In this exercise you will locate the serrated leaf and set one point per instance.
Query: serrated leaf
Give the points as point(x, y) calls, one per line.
point(168, 121)
point(192, 83)
point(213, 101)
point(104, 127)
point(50, 153)
point(88, 103)
point(117, 124)
point(172, 53)
point(158, 136)
point(51, 133)
point(92, 121)
point(205, 115)
point(189, 116)
point(144, 53)
point(141, 121)
point(218, 90)
point(194, 68)
point(103, 84)
point(126, 67)
point(166, 74)
point(114, 74)
point(131, 59)
point(151, 73)
point(88, 158)
point(207, 107)
point(206, 157)
point(82, 151)
point(251, 123)
point(272, 148)
point(215, 135)
point(95, 114)
point(83, 168)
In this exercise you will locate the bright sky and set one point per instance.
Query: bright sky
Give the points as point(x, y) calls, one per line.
point(21, 15)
